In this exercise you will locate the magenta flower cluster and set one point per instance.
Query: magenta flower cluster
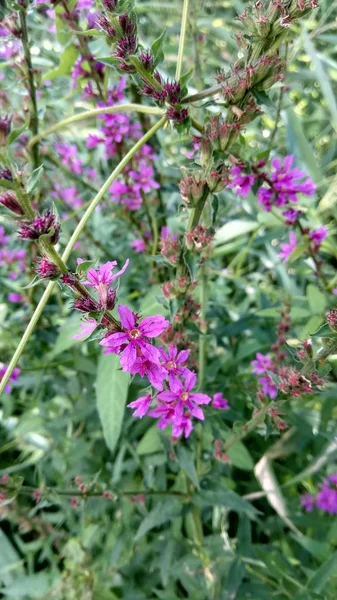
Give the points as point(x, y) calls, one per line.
point(325, 499)
point(173, 401)
point(262, 365)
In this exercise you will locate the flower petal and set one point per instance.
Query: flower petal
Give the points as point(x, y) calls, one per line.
point(153, 326)
point(127, 317)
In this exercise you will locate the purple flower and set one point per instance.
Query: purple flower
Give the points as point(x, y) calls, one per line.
point(326, 499)
point(141, 405)
point(15, 298)
point(291, 216)
point(138, 245)
point(174, 362)
point(132, 343)
point(220, 402)
point(15, 374)
point(87, 327)
point(241, 183)
point(268, 386)
point(284, 184)
point(287, 249)
point(144, 178)
point(318, 235)
point(262, 363)
point(69, 157)
point(182, 399)
point(101, 278)
point(308, 502)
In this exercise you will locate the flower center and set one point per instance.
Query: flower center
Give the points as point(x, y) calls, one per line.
point(183, 396)
point(135, 333)
point(171, 365)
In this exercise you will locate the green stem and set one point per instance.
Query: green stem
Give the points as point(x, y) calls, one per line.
point(197, 212)
point(29, 491)
point(150, 110)
point(182, 39)
point(144, 74)
point(65, 256)
point(34, 117)
point(246, 429)
point(202, 336)
point(322, 355)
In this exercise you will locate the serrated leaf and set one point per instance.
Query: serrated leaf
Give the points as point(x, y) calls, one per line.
point(112, 386)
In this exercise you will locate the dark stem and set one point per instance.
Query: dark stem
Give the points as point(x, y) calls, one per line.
point(29, 491)
point(34, 117)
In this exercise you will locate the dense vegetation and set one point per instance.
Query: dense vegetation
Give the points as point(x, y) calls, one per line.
point(168, 350)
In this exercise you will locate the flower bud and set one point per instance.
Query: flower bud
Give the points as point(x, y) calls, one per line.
point(192, 189)
point(331, 317)
point(5, 128)
point(110, 5)
point(47, 269)
point(10, 201)
point(45, 224)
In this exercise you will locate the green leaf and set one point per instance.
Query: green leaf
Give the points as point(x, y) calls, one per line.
point(297, 252)
point(316, 299)
point(227, 499)
point(150, 306)
point(262, 98)
point(68, 329)
point(240, 457)
point(31, 586)
point(150, 442)
point(157, 49)
point(163, 512)
point(329, 199)
point(324, 332)
point(322, 77)
point(68, 57)
point(34, 179)
point(112, 386)
point(319, 580)
point(186, 461)
point(83, 267)
point(235, 577)
point(234, 229)
point(15, 133)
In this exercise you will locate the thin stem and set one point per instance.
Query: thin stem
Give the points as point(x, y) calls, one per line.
point(202, 336)
point(182, 39)
point(197, 212)
point(65, 256)
point(150, 110)
point(247, 428)
point(34, 117)
point(29, 491)
point(106, 186)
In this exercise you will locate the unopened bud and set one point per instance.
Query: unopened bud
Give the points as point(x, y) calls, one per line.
point(10, 201)
point(5, 128)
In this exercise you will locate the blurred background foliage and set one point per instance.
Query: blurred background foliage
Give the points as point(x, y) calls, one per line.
point(213, 530)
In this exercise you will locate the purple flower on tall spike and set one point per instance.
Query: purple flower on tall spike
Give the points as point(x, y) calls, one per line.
point(46, 269)
point(10, 201)
point(308, 502)
point(45, 224)
point(241, 182)
point(220, 402)
point(132, 343)
point(182, 399)
point(287, 249)
point(318, 235)
point(141, 405)
point(268, 386)
point(86, 329)
point(101, 278)
point(174, 362)
point(262, 363)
